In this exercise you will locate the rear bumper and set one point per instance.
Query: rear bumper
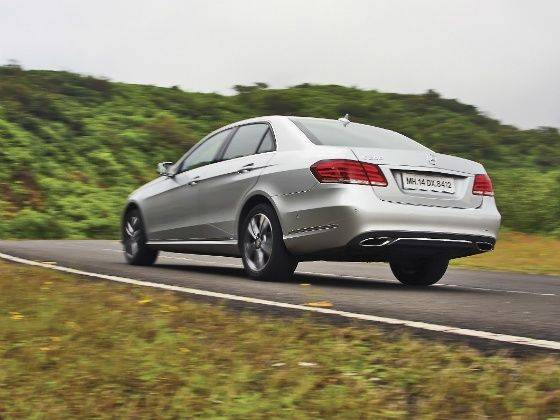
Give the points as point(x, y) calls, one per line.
point(322, 222)
point(395, 245)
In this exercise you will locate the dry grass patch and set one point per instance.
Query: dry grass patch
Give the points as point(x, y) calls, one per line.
point(521, 252)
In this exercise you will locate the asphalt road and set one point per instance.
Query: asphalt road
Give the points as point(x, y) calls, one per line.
point(502, 303)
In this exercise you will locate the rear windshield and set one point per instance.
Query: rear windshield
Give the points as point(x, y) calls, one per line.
point(334, 133)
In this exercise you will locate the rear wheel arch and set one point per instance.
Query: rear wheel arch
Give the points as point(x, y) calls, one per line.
point(248, 205)
point(261, 245)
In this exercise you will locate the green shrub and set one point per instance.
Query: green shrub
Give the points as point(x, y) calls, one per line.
point(29, 223)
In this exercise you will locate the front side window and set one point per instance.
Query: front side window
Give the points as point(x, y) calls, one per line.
point(335, 133)
point(205, 153)
point(245, 141)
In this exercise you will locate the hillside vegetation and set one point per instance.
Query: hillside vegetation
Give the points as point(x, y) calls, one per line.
point(73, 147)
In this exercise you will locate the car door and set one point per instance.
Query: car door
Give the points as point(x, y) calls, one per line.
point(174, 212)
point(227, 182)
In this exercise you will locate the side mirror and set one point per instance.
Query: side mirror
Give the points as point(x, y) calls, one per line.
point(163, 168)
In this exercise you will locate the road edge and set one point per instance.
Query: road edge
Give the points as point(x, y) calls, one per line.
point(504, 338)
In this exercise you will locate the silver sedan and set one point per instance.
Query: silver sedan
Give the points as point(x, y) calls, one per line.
point(278, 190)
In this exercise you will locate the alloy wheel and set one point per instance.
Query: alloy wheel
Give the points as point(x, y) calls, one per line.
point(258, 242)
point(132, 235)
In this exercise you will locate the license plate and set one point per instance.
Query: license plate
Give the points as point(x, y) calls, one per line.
point(422, 182)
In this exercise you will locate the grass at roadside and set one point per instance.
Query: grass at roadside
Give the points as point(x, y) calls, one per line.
point(73, 347)
point(519, 252)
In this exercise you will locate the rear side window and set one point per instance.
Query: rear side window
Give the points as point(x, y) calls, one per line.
point(267, 143)
point(245, 141)
point(335, 133)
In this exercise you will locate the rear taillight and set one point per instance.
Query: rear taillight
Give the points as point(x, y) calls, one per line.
point(375, 175)
point(482, 185)
point(345, 171)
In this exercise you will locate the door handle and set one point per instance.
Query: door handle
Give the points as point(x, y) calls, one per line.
point(194, 181)
point(246, 168)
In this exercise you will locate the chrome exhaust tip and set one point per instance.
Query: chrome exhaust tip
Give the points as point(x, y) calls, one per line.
point(484, 246)
point(379, 241)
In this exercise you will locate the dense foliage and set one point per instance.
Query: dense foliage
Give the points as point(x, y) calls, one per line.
point(72, 147)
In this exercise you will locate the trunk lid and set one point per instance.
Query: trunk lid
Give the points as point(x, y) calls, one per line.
point(403, 168)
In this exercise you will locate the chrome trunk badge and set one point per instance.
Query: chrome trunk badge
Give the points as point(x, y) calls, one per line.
point(431, 158)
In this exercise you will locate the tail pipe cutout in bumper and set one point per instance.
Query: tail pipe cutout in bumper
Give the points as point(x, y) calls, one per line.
point(454, 245)
point(380, 241)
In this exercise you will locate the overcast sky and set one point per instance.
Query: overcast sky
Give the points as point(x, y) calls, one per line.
point(502, 56)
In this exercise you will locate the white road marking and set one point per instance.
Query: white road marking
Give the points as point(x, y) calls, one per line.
point(512, 339)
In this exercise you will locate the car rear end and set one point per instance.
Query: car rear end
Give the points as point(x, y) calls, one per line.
point(388, 198)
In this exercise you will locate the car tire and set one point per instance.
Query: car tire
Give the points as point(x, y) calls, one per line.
point(262, 247)
point(136, 252)
point(421, 272)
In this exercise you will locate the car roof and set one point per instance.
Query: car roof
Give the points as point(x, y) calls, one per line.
point(272, 119)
